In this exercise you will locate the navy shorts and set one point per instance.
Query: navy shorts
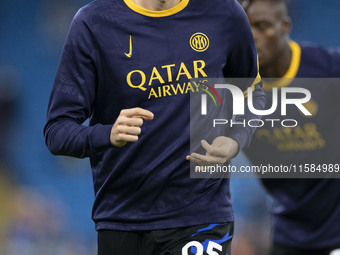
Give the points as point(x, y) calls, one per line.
point(206, 239)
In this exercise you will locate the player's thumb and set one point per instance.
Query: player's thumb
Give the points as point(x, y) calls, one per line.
point(206, 145)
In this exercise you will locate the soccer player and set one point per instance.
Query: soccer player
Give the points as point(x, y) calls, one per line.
point(127, 66)
point(306, 212)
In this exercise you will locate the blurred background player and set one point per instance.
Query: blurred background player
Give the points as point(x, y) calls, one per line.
point(306, 212)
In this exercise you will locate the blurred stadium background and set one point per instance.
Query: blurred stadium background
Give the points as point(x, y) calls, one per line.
point(45, 201)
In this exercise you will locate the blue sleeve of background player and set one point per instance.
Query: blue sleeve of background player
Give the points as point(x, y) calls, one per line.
point(334, 65)
point(334, 62)
point(73, 96)
point(243, 63)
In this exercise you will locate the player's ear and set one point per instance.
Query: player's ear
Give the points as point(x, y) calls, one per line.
point(287, 25)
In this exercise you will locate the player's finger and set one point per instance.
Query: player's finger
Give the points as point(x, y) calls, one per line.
point(213, 150)
point(192, 159)
point(127, 138)
point(206, 146)
point(138, 112)
point(205, 159)
point(195, 160)
point(133, 122)
point(129, 130)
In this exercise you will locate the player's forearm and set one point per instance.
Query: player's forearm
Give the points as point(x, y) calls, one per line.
point(67, 137)
point(244, 133)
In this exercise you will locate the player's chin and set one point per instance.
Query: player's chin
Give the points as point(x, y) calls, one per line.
point(260, 55)
point(263, 59)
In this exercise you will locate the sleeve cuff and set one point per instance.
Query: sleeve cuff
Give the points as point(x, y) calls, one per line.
point(241, 137)
point(100, 137)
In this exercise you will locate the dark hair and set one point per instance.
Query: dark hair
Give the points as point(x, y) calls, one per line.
point(246, 3)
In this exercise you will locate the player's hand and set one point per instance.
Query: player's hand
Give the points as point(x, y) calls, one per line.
point(128, 126)
point(220, 151)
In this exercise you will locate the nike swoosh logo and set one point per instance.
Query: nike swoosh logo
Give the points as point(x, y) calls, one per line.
point(129, 55)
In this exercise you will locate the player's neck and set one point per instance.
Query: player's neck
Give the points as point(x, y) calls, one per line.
point(279, 66)
point(157, 5)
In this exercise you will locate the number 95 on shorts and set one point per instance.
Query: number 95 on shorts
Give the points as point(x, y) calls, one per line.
point(208, 239)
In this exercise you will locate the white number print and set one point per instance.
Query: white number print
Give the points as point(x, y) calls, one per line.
point(199, 248)
point(335, 252)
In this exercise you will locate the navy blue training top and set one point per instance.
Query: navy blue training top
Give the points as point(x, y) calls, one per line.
point(117, 56)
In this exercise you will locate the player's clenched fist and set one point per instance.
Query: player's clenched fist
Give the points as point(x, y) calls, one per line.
point(128, 126)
